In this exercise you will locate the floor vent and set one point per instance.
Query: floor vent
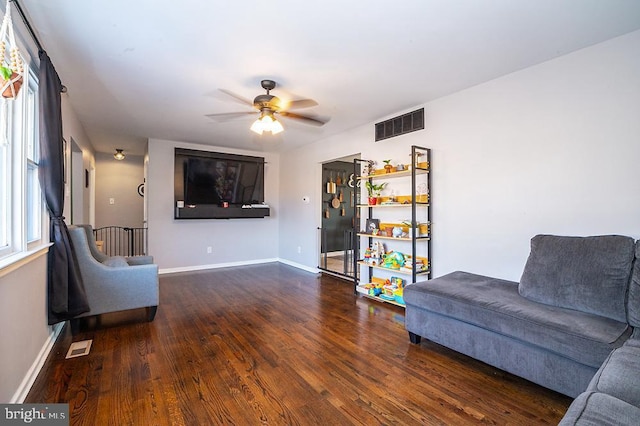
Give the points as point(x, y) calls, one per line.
point(79, 349)
point(400, 125)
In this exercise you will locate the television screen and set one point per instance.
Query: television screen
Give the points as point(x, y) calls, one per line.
point(214, 181)
point(216, 185)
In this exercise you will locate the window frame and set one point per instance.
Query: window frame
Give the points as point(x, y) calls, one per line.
point(34, 217)
point(6, 187)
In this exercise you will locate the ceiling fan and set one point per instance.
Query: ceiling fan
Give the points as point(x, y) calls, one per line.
point(269, 106)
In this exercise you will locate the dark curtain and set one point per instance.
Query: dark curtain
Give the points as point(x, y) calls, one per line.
point(65, 290)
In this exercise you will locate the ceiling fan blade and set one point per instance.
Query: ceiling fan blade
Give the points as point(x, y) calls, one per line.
point(224, 116)
point(237, 97)
point(307, 119)
point(297, 104)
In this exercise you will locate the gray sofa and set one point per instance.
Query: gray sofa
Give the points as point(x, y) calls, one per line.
point(567, 325)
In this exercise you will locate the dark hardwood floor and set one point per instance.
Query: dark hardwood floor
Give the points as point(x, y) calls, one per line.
point(270, 344)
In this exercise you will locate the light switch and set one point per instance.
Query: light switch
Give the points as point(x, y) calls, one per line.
point(112, 200)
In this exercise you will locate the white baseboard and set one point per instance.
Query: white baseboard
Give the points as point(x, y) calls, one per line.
point(30, 378)
point(214, 266)
point(232, 264)
point(299, 266)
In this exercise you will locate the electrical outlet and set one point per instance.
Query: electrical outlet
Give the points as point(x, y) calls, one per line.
point(112, 201)
point(209, 250)
point(299, 249)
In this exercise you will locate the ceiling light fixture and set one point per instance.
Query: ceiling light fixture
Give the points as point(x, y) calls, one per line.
point(266, 123)
point(119, 155)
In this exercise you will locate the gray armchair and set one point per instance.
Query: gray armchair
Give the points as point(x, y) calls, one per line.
point(113, 284)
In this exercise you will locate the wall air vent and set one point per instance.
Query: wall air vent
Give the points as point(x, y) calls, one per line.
point(400, 125)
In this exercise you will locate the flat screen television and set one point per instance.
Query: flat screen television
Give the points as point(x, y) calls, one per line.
point(214, 185)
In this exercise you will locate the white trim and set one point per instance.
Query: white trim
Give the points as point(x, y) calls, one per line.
point(18, 260)
point(30, 378)
point(336, 275)
point(300, 266)
point(214, 266)
point(232, 264)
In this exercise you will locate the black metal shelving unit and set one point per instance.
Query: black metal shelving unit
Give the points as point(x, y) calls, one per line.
point(421, 164)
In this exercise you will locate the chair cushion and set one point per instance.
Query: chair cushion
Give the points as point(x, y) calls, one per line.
point(588, 274)
point(115, 261)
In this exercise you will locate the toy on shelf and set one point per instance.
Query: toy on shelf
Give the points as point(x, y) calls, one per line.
point(375, 254)
point(367, 254)
point(394, 260)
point(393, 289)
point(373, 289)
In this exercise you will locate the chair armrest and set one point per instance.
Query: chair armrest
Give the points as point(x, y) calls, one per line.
point(119, 288)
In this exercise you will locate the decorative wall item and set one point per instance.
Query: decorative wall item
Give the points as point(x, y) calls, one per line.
point(373, 226)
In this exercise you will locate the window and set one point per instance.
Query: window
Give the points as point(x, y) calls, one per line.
point(33, 193)
point(21, 204)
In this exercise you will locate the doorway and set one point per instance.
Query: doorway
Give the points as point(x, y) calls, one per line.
point(77, 185)
point(339, 197)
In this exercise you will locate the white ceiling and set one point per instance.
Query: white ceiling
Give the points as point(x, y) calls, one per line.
point(152, 68)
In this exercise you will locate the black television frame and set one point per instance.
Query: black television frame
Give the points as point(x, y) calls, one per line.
point(222, 210)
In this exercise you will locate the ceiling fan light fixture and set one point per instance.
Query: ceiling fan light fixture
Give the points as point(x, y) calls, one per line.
point(257, 126)
point(276, 127)
point(119, 155)
point(268, 105)
point(266, 123)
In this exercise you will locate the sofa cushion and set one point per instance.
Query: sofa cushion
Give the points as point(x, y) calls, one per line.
point(633, 304)
point(115, 261)
point(619, 375)
point(495, 305)
point(589, 274)
point(594, 408)
point(634, 339)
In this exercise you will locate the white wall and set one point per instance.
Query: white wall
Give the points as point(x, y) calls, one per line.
point(302, 177)
point(24, 332)
point(550, 149)
point(182, 244)
point(119, 180)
